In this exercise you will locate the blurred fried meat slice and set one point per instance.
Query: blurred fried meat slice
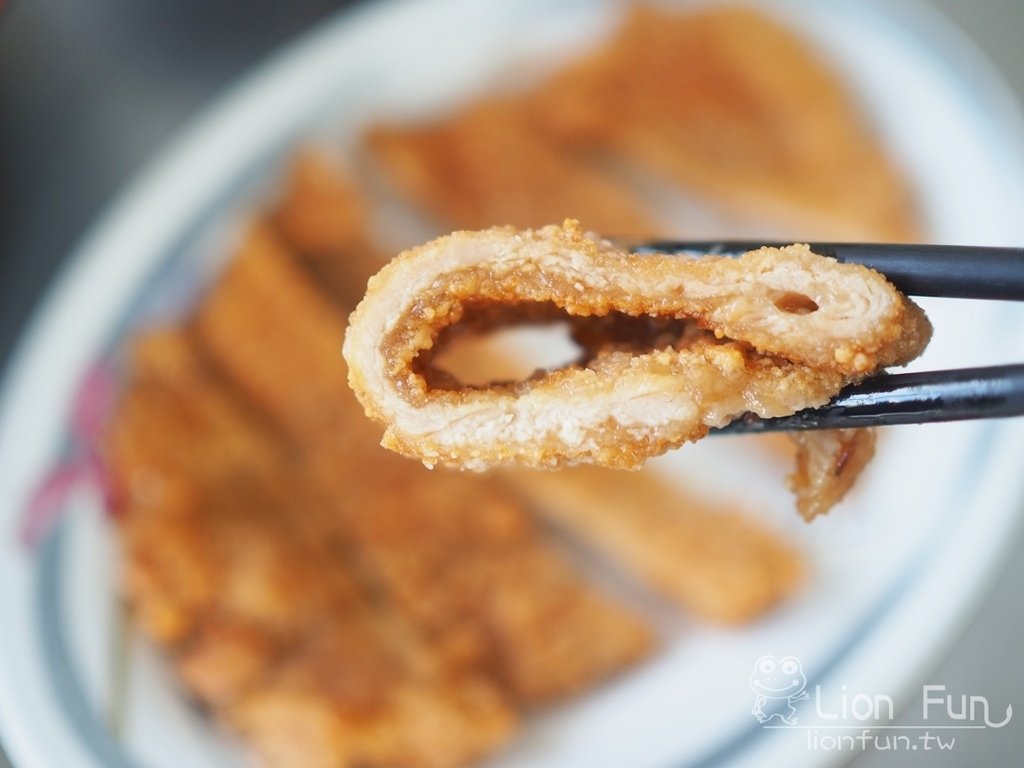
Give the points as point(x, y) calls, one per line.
point(459, 556)
point(196, 481)
point(259, 603)
point(712, 561)
point(279, 339)
point(731, 105)
point(311, 713)
point(489, 165)
point(469, 568)
point(323, 218)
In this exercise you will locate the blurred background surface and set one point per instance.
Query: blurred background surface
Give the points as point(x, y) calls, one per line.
point(90, 92)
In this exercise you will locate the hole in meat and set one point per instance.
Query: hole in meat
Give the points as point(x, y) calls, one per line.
point(794, 303)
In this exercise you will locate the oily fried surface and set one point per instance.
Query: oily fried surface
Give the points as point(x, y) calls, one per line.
point(724, 103)
point(169, 476)
point(263, 302)
point(761, 569)
point(254, 570)
point(292, 721)
point(485, 587)
point(787, 330)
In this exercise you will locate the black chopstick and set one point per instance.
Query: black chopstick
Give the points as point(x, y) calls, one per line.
point(953, 271)
point(906, 398)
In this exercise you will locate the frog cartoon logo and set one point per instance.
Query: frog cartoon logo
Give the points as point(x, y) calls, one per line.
point(777, 684)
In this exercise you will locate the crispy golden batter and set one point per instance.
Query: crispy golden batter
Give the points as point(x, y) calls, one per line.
point(827, 464)
point(490, 165)
point(732, 106)
point(790, 329)
point(722, 101)
point(712, 560)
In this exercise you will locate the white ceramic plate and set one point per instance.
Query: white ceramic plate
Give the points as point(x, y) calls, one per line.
point(895, 568)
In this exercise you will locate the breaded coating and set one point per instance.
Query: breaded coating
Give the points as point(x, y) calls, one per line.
point(735, 107)
point(790, 329)
point(225, 658)
point(712, 560)
point(828, 462)
point(490, 165)
point(173, 394)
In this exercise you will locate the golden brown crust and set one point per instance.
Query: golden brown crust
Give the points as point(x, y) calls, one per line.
point(789, 330)
point(828, 462)
point(294, 723)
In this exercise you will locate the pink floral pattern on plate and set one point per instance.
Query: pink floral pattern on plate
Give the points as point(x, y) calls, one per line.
point(81, 462)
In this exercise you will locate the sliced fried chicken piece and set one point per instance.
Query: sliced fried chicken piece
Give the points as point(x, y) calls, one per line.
point(786, 330)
